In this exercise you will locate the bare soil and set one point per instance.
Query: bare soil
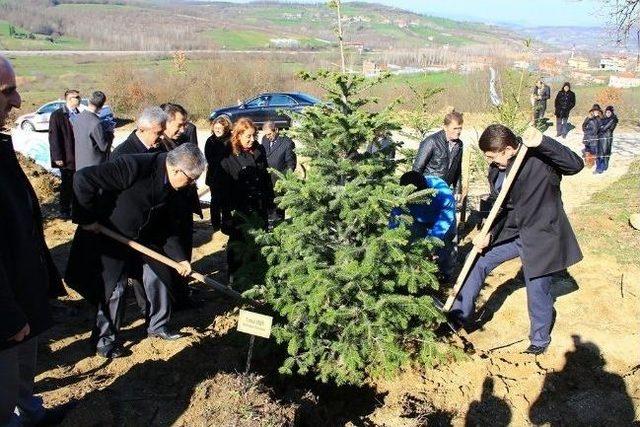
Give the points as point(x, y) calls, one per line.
point(589, 376)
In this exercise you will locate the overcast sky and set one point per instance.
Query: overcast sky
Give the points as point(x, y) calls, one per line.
point(522, 12)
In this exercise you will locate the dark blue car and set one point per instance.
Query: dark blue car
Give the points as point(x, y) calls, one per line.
point(268, 107)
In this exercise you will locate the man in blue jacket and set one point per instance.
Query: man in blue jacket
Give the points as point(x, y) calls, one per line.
point(434, 219)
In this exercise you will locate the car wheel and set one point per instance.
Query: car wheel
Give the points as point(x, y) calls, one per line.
point(27, 125)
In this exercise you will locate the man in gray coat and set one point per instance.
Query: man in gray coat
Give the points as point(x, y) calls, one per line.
point(93, 142)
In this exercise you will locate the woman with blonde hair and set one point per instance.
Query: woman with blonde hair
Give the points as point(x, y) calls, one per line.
point(243, 185)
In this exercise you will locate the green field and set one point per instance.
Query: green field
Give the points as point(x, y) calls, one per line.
point(239, 39)
point(7, 42)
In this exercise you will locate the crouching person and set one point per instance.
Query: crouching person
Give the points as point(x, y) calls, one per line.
point(437, 218)
point(532, 225)
point(139, 197)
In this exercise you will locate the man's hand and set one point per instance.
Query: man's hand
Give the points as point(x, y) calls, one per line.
point(531, 137)
point(93, 227)
point(184, 268)
point(481, 242)
point(22, 334)
point(59, 163)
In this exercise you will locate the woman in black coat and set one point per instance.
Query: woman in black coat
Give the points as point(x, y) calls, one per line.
point(607, 126)
point(243, 186)
point(215, 149)
point(565, 101)
point(591, 129)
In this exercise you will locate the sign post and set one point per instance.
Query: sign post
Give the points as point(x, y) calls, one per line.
point(254, 324)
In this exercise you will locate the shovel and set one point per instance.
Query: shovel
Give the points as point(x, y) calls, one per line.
point(171, 263)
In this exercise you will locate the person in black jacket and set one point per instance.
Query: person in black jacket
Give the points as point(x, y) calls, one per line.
point(190, 134)
point(62, 147)
point(564, 103)
point(27, 276)
point(440, 154)
point(605, 139)
point(244, 186)
point(137, 196)
point(281, 156)
point(532, 225)
point(591, 135)
point(215, 149)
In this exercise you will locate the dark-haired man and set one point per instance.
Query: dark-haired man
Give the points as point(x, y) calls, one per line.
point(532, 225)
point(92, 141)
point(62, 147)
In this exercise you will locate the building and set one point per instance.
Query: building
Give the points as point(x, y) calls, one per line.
point(578, 62)
point(373, 68)
point(521, 65)
point(624, 80)
point(284, 43)
point(617, 64)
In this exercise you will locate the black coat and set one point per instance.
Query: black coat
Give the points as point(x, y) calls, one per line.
point(27, 273)
point(132, 145)
point(535, 212)
point(564, 103)
point(281, 154)
point(130, 195)
point(61, 139)
point(244, 184)
point(591, 130)
point(434, 158)
point(215, 149)
point(608, 125)
point(190, 134)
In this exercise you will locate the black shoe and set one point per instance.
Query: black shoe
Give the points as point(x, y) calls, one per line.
point(165, 334)
point(55, 416)
point(111, 352)
point(535, 350)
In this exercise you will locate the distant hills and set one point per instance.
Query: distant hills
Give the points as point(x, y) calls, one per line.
point(168, 25)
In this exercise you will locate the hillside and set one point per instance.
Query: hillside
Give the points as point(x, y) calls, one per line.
point(162, 25)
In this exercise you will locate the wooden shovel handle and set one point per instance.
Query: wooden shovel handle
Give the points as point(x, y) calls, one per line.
point(493, 213)
point(168, 261)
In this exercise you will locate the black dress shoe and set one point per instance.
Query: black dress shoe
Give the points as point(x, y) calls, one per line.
point(165, 334)
point(535, 350)
point(111, 352)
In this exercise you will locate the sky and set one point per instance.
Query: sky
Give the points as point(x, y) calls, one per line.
point(534, 13)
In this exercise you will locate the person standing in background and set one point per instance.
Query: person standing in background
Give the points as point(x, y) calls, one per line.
point(541, 93)
point(92, 142)
point(281, 156)
point(590, 138)
point(564, 103)
point(605, 139)
point(215, 149)
point(62, 147)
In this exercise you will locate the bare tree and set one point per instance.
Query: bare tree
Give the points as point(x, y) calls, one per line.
point(625, 18)
point(337, 5)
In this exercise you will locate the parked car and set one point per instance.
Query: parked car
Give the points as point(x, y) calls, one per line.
point(39, 120)
point(268, 107)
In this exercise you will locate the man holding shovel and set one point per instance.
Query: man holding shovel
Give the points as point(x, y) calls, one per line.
point(136, 196)
point(531, 225)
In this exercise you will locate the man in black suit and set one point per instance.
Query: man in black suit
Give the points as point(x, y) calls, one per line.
point(532, 225)
point(137, 196)
point(27, 277)
point(281, 156)
point(62, 147)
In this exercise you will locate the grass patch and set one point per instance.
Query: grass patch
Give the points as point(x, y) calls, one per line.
point(39, 42)
point(239, 39)
point(602, 224)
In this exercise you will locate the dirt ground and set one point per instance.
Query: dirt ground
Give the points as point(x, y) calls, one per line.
point(589, 376)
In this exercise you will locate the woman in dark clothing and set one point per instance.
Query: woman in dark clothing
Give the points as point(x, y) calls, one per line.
point(565, 101)
point(215, 149)
point(591, 129)
point(607, 126)
point(244, 186)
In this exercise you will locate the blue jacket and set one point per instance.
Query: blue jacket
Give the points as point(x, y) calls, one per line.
point(434, 219)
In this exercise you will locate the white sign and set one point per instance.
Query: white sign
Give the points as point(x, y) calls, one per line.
point(255, 324)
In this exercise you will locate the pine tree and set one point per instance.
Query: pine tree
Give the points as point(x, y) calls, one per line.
point(351, 293)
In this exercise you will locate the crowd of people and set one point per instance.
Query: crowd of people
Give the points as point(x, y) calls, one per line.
point(144, 189)
point(597, 128)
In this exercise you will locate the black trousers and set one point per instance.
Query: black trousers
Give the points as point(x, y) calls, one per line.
point(66, 190)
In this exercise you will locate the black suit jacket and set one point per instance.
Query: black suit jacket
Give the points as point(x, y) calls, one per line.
point(130, 195)
point(534, 210)
point(281, 154)
point(61, 139)
point(27, 273)
point(131, 145)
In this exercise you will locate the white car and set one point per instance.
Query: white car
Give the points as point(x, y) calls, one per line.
point(39, 120)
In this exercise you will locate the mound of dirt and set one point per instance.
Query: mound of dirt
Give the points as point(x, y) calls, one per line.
point(44, 182)
point(236, 400)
